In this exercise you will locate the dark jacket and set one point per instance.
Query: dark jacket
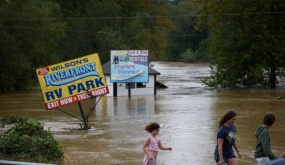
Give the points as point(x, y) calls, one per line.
point(263, 148)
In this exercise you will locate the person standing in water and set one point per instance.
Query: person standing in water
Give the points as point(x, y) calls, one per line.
point(263, 153)
point(152, 144)
point(226, 137)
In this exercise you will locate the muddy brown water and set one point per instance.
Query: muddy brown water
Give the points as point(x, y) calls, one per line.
point(187, 111)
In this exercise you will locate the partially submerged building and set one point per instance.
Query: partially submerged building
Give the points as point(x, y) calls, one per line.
point(122, 89)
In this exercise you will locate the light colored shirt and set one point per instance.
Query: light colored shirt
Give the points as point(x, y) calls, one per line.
point(153, 144)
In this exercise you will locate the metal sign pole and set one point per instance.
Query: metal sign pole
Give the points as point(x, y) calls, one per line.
point(115, 89)
point(82, 114)
point(129, 89)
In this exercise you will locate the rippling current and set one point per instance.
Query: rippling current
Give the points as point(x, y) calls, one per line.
point(188, 112)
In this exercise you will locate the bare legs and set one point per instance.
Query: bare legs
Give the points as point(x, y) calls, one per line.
point(232, 161)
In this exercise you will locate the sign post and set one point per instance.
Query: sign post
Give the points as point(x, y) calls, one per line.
point(82, 114)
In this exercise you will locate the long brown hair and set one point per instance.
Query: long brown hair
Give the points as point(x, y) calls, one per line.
point(227, 116)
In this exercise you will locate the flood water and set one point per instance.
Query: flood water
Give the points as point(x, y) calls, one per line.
point(187, 111)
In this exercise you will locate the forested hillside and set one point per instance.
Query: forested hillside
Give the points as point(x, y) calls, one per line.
point(243, 40)
point(37, 33)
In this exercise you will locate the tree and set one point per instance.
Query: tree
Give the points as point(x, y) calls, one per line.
point(8, 54)
point(186, 38)
point(43, 32)
point(102, 26)
point(246, 42)
point(30, 37)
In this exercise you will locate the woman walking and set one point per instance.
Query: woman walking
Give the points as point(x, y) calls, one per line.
point(226, 137)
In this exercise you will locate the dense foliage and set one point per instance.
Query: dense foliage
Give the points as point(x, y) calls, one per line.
point(101, 26)
point(246, 42)
point(186, 43)
point(27, 40)
point(242, 39)
point(37, 33)
point(27, 140)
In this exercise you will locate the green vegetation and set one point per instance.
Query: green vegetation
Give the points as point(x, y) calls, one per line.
point(37, 33)
point(246, 45)
point(243, 40)
point(27, 141)
point(183, 44)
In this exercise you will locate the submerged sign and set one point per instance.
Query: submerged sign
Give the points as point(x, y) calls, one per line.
point(129, 66)
point(69, 81)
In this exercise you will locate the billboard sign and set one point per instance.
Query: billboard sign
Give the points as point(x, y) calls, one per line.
point(68, 82)
point(129, 66)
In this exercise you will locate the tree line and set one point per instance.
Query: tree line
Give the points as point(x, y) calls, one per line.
point(247, 43)
point(242, 40)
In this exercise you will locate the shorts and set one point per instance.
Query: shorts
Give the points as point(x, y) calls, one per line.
point(231, 155)
point(263, 161)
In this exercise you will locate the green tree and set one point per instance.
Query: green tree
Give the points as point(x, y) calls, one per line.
point(42, 32)
point(186, 38)
point(102, 26)
point(30, 38)
point(246, 42)
point(200, 55)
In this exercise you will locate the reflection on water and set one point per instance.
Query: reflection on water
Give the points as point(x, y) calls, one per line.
point(187, 110)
